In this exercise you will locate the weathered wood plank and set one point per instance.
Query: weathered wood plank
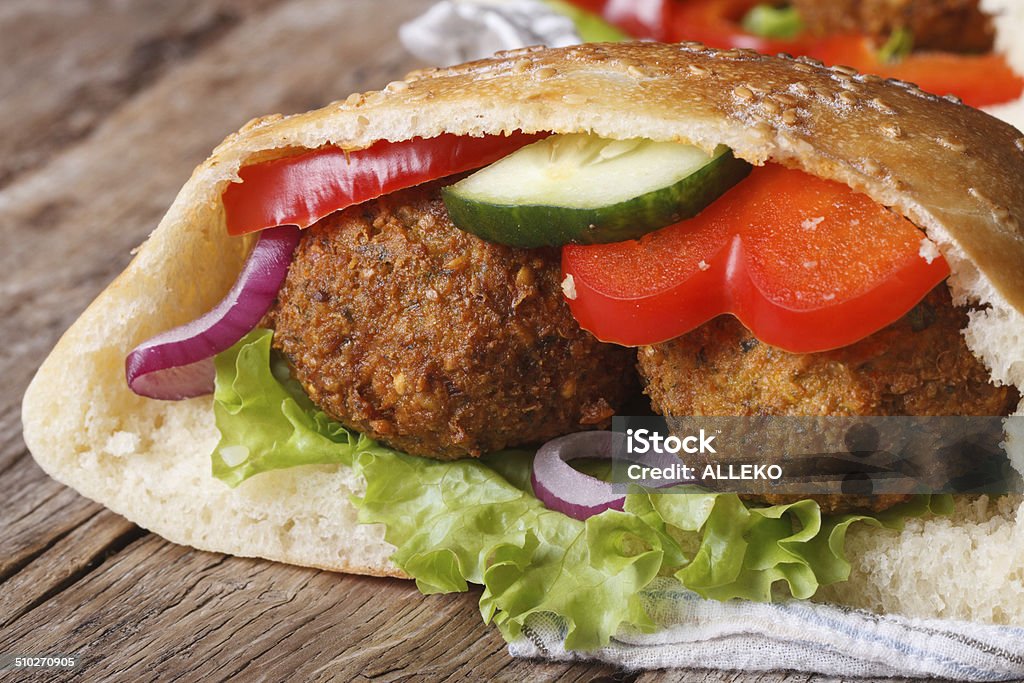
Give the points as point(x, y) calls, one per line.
point(68, 64)
point(156, 611)
point(70, 557)
point(46, 513)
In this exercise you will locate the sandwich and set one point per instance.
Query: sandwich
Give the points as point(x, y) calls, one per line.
point(965, 48)
point(396, 299)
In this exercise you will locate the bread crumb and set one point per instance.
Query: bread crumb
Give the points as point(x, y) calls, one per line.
point(703, 265)
point(928, 251)
point(122, 443)
point(812, 223)
point(569, 288)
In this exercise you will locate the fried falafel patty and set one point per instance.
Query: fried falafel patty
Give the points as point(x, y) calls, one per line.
point(948, 25)
point(918, 366)
point(436, 342)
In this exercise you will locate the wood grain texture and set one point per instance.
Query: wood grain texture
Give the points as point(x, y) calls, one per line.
point(105, 107)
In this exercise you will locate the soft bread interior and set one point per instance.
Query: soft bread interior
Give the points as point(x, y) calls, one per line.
point(951, 170)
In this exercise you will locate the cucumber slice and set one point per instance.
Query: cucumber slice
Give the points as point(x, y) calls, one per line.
point(588, 190)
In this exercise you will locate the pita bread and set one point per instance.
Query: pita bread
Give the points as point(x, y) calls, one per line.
point(953, 171)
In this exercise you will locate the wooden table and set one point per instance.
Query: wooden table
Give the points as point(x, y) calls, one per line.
point(105, 107)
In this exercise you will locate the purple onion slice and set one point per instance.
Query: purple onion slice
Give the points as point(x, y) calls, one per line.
point(178, 363)
point(569, 491)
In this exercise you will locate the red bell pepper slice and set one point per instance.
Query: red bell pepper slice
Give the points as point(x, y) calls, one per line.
point(302, 189)
point(806, 264)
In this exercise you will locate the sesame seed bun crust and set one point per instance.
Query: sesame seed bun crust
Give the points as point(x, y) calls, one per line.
point(952, 170)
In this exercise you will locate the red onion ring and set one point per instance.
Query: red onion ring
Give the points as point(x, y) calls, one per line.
point(178, 363)
point(578, 495)
point(569, 491)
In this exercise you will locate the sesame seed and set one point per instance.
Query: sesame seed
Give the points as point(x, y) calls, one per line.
point(397, 86)
point(951, 143)
point(1019, 144)
point(790, 116)
point(518, 51)
point(882, 106)
point(848, 97)
point(743, 92)
point(698, 70)
point(546, 72)
point(892, 130)
point(637, 73)
point(771, 107)
point(871, 167)
point(845, 70)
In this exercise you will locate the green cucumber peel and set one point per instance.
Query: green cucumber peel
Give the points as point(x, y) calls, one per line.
point(582, 189)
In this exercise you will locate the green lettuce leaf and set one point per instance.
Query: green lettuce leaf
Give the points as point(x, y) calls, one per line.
point(456, 523)
point(265, 419)
point(477, 521)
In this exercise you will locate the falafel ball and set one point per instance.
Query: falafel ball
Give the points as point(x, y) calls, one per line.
point(947, 25)
point(918, 366)
point(436, 342)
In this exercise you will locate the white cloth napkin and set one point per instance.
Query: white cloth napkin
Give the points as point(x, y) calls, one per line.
point(794, 635)
point(455, 31)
